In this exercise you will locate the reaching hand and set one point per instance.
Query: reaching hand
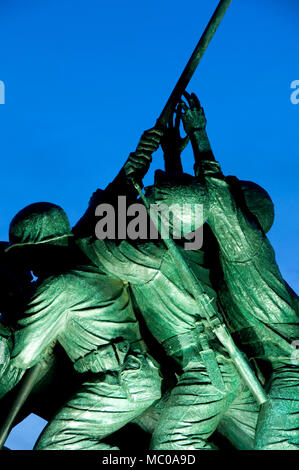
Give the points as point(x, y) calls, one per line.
point(193, 117)
point(139, 161)
point(172, 143)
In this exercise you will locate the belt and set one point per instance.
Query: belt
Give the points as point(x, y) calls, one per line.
point(197, 344)
point(108, 357)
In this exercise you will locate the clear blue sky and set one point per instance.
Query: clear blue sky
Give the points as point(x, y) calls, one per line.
point(84, 79)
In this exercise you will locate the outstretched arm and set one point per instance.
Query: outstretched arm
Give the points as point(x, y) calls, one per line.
point(195, 122)
point(173, 144)
point(237, 233)
point(135, 167)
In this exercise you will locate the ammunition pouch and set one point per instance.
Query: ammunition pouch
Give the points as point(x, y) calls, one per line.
point(108, 357)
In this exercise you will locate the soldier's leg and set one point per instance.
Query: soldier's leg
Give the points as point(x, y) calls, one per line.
point(239, 422)
point(278, 423)
point(195, 408)
point(101, 407)
point(149, 420)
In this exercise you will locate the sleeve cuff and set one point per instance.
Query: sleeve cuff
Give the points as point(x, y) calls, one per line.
point(208, 168)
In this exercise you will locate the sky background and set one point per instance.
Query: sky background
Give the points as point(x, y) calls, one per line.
point(83, 80)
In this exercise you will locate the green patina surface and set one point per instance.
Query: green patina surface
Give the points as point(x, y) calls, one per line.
point(92, 295)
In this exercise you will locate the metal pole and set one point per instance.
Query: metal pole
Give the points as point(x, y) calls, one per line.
point(193, 62)
point(28, 383)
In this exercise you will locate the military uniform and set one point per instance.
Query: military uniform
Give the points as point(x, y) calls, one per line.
point(262, 310)
point(91, 315)
point(14, 288)
point(206, 393)
point(9, 376)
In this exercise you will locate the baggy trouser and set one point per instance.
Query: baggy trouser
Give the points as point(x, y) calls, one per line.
point(196, 408)
point(278, 423)
point(103, 404)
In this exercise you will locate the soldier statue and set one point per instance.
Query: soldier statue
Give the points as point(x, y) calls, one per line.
point(260, 308)
point(90, 314)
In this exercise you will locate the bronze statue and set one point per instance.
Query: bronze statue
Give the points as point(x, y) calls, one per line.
point(221, 315)
point(90, 315)
point(261, 309)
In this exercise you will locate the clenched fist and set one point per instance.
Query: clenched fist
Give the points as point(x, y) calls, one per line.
point(139, 161)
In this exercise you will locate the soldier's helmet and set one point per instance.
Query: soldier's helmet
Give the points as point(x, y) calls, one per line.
point(185, 189)
point(257, 201)
point(38, 223)
point(184, 196)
